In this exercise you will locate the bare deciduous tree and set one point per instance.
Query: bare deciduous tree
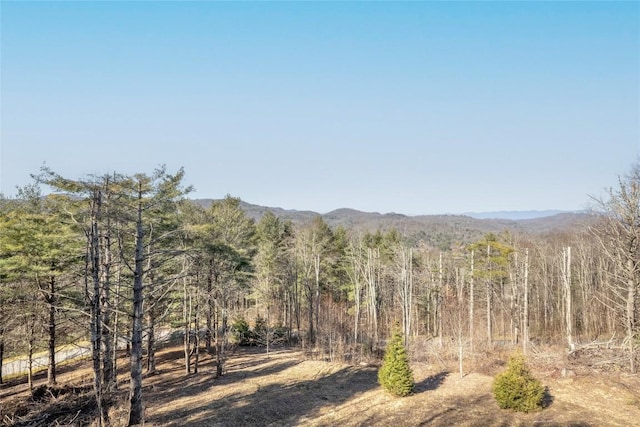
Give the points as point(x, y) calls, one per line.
point(619, 234)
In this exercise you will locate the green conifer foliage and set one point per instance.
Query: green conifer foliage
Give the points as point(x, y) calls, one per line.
point(516, 388)
point(395, 374)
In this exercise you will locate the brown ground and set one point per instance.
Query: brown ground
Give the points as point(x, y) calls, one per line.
point(284, 389)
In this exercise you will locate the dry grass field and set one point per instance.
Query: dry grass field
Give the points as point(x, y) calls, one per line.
point(287, 389)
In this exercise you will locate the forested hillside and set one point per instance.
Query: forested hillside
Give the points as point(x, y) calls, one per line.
point(442, 231)
point(111, 259)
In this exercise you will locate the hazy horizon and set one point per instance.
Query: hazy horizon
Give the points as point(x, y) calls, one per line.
point(507, 214)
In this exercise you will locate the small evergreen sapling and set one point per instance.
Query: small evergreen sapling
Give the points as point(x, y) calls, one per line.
point(395, 374)
point(516, 388)
point(241, 332)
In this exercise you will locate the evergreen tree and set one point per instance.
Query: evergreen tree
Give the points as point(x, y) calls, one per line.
point(270, 263)
point(492, 261)
point(395, 374)
point(516, 388)
point(36, 249)
point(229, 250)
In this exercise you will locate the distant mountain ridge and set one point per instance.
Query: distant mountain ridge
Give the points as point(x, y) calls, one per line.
point(517, 215)
point(443, 231)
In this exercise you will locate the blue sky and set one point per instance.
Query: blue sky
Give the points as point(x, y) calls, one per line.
point(416, 107)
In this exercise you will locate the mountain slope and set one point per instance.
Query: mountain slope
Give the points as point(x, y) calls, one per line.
point(443, 231)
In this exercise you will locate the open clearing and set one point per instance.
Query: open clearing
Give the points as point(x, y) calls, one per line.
point(285, 389)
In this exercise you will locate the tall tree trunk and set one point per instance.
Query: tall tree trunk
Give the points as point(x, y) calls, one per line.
point(223, 339)
point(546, 302)
point(406, 292)
point(357, 289)
point(460, 329)
point(268, 300)
point(114, 335)
point(30, 363)
point(290, 310)
point(525, 314)
point(296, 301)
point(151, 338)
point(196, 336)
point(220, 324)
point(210, 307)
point(372, 260)
point(489, 295)
point(317, 293)
point(150, 302)
point(471, 302)
point(631, 313)
point(151, 309)
point(186, 318)
point(439, 300)
point(50, 299)
point(514, 314)
point(30, 320)
point(489, 313)
point(568, 318)
point(312, 336)
point(96, 313)
point(1, 350)
point(108, 370)
point(135, 397)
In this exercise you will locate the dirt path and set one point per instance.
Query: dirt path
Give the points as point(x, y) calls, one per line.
point(20, 365)
point(41, 361)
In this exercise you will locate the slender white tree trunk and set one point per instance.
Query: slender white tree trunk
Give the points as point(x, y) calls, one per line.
point(373, 298)
point(186, 318)
point(317, 293)
point(406, 291)
point(630, 315)
point(525, 314)
point(568, 318)
point(489, 295)
point(440, 299)
point(471, 302)
point(357, 286)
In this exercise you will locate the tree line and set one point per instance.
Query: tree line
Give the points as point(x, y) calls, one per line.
point(112, 259)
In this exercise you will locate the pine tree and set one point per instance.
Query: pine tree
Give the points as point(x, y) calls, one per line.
point(516, 388)
point(36, 249)
point(395, 374)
